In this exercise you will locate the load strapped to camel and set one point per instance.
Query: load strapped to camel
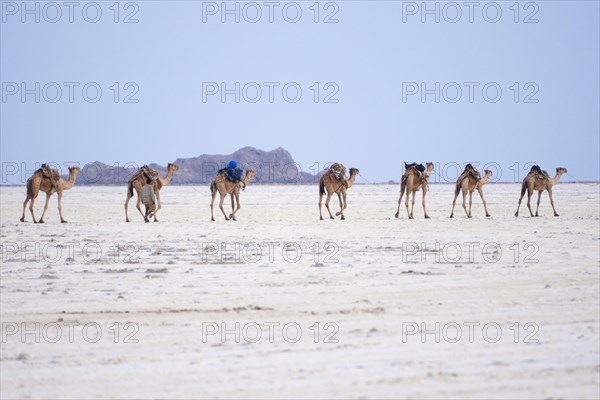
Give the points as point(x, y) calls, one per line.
point(541, 174)
point(418, 167)
point(49, 173)
point(148, 173)
point(472, 172)
point(232, 172)
point(339, 172)
point(148, 195)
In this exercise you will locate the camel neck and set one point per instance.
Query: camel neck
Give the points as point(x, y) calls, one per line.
point(351, 180)
point(555, 180)
point(71, 182)
point(167, 178)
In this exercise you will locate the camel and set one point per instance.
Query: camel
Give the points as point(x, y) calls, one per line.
point(138, 180)
point(411, 181)
point(49, 185)
point(468, 182)
point(225, 187)
point(540, 181)
point(331, 184)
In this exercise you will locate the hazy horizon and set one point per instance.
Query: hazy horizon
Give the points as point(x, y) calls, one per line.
point(443, 173)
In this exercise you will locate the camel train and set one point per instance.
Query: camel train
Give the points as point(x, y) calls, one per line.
point(333, 181)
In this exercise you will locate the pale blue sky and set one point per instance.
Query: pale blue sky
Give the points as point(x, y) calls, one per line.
point(369, 53)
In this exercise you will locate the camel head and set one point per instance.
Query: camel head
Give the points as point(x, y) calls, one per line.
point(354, 171)
point(76, 170)
point(250, 174)
point(429, 167)
point(487, 172)
point(561, 170)
point(172, 167)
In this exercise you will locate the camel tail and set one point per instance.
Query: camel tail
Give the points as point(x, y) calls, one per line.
point(213, 186)
point(130, 189)
point(458, 186)
point(29, 190)
point(321, 187)
point(523, 189)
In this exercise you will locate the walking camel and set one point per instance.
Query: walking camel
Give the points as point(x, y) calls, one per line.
point(468, 182)
point(48, 181)
point(138, 180)
point(225, 187)
point(334, 181)
point(411, 182)
point(539, 180)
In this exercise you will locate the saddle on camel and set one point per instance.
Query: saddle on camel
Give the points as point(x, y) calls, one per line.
point(233, 173)
point(149, 174)
point(339, 172)
point(49, 173)
point(472, 172)
point(419, 168)
point(541, 174)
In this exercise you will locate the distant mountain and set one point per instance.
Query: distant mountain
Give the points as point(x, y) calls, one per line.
point(272, 167)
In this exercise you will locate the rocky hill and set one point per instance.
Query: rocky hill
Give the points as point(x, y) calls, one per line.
point(272, 167)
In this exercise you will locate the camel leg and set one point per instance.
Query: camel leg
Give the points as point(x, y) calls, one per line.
point(62, 220)
point(327, 204)
point(221, 206)
point(235, 205)
point(41, 221)
point(464, 202)
point(399, 202)
point(158, 205)
point(529, 194)
point(538, 203)
point(232, 206)
point(342, 208)
point(320, 207)
point(423, 202)
point(453, 205)
point(24, 207)
point(31, 209)
point(480, 190)
point(212, 204)
point(412, 208)
point(470, 203)
point(138, 205)
point(552, 202)
point(406, 203)
point(520, 199)
point(341, 212)
point(126, 204)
